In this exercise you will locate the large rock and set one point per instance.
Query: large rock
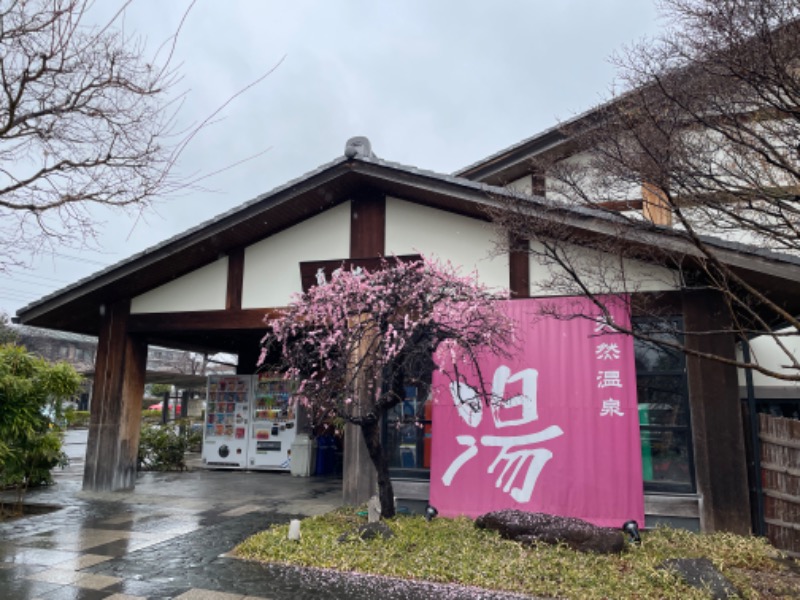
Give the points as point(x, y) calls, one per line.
point(530, 528)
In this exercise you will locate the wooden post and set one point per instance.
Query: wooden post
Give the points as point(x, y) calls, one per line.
point(367, 225)
point(519, 268)
point(360, 478)
point(717, 429)
point(116, 413)
point(367, 240)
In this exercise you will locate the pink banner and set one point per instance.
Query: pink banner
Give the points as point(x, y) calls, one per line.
point(565, 438)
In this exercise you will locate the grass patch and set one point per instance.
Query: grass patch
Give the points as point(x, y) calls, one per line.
point(454, 551)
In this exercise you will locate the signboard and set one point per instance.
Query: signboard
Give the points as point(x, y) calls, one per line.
point(561, 435)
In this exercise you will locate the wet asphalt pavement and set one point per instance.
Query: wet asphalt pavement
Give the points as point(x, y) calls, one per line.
point(168, 539)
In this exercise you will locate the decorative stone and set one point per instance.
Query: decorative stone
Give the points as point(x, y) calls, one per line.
point(358, 146)
point(702, 574)
point(370, 531)
point(373, 510)
point(531, 528)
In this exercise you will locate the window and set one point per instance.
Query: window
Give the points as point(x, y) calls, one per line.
point(407, 435)
point(667, 461)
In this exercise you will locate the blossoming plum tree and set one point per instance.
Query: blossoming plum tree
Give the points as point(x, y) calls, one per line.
point(354, 343)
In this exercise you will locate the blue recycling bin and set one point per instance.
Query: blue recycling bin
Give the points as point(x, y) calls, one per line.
point(326, 458)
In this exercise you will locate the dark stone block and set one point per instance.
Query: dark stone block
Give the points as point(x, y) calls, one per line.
point(531, 528)
point(702, 574)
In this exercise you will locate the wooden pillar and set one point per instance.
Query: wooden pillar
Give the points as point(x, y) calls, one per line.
point(717, 429)
point(519, 268)
point(367, 240)
point(360, 480)
point(367, 225)
point(116, 413)
point(233, 292)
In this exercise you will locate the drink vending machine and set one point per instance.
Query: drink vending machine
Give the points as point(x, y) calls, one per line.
point(250, 423)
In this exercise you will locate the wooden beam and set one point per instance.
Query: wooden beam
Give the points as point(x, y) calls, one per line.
point(519, 268)
point(201, 320)
point(233, 296)
point(368, 225)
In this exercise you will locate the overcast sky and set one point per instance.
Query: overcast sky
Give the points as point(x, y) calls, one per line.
point(438, 84)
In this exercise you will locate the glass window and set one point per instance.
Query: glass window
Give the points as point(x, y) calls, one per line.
point(665, 459)
point(667, 462)
point(408, 432)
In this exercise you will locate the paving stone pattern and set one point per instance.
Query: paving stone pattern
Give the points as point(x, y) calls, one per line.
point(168, 539)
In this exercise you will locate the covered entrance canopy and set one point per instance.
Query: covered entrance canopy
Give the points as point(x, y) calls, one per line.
point(210, 288)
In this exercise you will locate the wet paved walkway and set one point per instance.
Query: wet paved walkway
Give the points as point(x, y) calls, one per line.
point(168, 539)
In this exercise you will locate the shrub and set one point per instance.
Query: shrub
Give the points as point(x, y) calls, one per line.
point(151, 416)
point(162, 447)
point(31, 416)
point(77, 418)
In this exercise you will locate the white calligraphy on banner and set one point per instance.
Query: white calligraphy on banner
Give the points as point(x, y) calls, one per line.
point(514, 450)
point(608, 352)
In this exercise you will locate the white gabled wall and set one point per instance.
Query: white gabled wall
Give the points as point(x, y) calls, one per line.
point(523, 185)
point(580, 169)
point(602, 272)
point(271, 269)
point(438, 234)
point(202, 289)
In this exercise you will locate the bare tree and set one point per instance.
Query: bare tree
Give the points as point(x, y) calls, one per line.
point(702, 146)
point(86, 119)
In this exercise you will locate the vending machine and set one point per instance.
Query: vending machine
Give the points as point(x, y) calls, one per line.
point(227, 416)
point(273, 422)
point(250, 423)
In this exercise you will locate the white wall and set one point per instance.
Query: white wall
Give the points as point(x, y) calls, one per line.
point(467, 243)
point(271, 269)
point(202, 289)
point(602, 272)
point(580, 170)
point(523, 185)
point(765, 352)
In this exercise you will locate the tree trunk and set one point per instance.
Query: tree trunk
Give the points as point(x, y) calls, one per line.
point(372, 436)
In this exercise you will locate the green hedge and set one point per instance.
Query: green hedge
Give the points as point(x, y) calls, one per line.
point(162, 447)
point(77, 418)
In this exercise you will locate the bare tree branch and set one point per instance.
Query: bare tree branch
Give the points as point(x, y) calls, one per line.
point(705, 141)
